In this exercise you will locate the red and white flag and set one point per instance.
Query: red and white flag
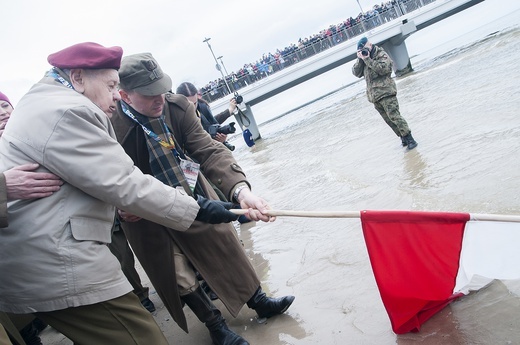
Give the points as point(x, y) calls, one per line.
point(424, 260)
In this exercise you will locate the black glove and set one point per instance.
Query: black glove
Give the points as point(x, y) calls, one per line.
point(214, 211)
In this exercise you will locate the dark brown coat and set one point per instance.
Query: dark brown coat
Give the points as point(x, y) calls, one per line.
point(214, 250)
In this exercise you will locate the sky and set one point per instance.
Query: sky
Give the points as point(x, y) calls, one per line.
point(173, 31)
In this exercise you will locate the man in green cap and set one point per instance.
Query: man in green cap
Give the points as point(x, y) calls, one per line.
point(375, 65)
point(161, 132)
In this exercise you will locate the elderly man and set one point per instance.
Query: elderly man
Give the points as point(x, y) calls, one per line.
point(161, 132)
point(376, 66)
point(54, 260)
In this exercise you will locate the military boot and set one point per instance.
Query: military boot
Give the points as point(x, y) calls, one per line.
point(403, 142)
point(30, 335)
point(209, 314)
point(267, 306)
point(411, 143)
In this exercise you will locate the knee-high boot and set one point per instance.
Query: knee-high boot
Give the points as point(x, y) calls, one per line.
point(209, 314)
point(268, 306)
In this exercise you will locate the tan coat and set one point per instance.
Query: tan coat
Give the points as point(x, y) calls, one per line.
point(53, 254)
point(5, 321)
point(214, 250)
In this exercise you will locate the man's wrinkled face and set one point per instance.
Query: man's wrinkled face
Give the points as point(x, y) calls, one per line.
point(151, 106)
point(100, 86)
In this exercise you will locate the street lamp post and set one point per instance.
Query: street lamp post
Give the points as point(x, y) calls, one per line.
point(363, 18)
point(217, 66)
point(222, 62)
point(361, 8)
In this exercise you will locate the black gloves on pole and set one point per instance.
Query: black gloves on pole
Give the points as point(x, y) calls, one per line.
point(214, 211)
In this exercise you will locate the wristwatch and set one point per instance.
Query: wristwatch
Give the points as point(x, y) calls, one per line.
point(237, 192)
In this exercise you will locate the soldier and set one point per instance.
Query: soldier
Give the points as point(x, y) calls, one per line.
point(376, 66)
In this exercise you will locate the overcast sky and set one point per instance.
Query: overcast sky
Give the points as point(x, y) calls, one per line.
point(173, 31)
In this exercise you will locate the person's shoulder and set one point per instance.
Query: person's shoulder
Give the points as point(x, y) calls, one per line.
point(179, 100)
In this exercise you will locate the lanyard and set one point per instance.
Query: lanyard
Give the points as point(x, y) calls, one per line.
point(56, 76)
point(169, 145)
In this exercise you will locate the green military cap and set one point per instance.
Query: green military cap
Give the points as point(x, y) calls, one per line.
point(142, 73)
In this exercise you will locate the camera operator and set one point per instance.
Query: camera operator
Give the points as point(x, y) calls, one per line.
point(375, 65)
point(210, 123)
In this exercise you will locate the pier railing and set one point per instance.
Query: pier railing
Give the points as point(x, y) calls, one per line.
point(350, 29)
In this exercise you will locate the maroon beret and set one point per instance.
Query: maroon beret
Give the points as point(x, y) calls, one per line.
point(87, 55)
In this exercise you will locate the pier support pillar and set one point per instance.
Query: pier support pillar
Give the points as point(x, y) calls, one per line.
point(396, 48)
point(248, 122)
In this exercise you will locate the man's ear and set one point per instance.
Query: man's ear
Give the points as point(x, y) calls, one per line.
point(124, 97)
point(77, 78)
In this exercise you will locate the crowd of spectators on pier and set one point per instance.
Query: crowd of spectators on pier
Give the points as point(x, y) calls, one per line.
point(305, 47)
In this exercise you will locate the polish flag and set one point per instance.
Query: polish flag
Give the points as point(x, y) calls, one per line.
point(424, 260)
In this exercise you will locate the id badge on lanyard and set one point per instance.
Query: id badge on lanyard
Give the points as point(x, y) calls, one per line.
point(190, 170)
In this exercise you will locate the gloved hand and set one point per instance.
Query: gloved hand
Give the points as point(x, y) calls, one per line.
point(214, 211)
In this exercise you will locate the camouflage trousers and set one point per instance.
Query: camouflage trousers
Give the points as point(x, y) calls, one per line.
point(388, 107)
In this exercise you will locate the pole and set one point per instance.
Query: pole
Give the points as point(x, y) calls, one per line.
point(222, 62)
point(310, 214)
point(361, 8)
point(357, 214)
point(217, 66)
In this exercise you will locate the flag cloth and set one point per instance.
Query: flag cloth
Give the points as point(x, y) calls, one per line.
point(424, 260)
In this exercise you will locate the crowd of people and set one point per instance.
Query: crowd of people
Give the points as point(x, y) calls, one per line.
point(271, 63)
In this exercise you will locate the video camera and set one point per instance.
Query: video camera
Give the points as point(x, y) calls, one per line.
point(227, 129)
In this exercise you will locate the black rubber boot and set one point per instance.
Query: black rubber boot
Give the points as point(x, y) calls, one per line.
point(411, 143)
point(39, 324)
point(404, 142)
point(30, 335)
point(209, 314)
point(267, 306)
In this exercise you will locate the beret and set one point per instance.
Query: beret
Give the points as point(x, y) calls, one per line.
point(141, 73)
point(87, 55)
point(361, 43)
point(3, 97)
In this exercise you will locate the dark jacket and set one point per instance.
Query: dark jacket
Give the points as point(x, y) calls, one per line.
point(214, 250)
point(206, 116)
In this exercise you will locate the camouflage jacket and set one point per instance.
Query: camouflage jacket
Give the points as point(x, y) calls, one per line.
point(377, 70)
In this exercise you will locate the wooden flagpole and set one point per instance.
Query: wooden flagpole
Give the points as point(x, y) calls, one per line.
point(356, 214)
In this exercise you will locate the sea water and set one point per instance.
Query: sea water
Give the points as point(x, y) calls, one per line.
point(462, 104)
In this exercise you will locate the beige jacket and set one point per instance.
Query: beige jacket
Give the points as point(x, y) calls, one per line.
point(53, 254)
